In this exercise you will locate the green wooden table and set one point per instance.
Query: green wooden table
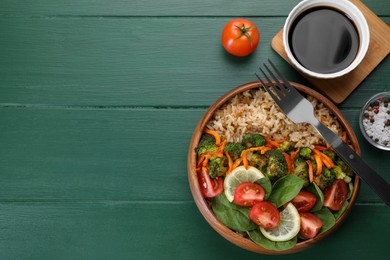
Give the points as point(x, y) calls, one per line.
point(98, 102)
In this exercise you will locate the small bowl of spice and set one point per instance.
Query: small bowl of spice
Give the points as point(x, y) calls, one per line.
point(375, 120)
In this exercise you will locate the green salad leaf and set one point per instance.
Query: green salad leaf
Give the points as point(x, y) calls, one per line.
point(233, 216)
point(267, 186)
point(317, 192)
point(327, 218)
point(350, 187)
point(338, 214)
point(261, 240)
point(285, 189)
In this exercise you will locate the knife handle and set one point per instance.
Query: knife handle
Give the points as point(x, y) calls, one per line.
point(365, 172)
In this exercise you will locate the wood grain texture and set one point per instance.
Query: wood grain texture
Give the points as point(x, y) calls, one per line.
point(92, 91)
point(128, 230)
point(338, 89)
point(83, 154)
point(108, 62)
point(160, 8)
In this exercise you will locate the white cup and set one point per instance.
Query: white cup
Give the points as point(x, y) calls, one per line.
point(349, 10)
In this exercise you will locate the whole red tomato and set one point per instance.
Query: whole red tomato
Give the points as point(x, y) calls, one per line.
point(240, 37)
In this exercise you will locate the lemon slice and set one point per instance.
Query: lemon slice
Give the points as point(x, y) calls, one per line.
point(288, 227)
point(240, 175)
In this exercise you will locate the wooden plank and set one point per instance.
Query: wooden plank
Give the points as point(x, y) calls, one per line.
point(118, 62)
point(95, 154)
point(110, 154)
point(146, 8)
point(127, 230)
point(160, 8)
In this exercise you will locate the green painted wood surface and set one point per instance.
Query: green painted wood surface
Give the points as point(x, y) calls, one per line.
point(98, 102)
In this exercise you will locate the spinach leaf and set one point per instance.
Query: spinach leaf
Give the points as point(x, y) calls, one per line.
point(350, 187)
point(233, 216)
point(338, 214)
point(261, 240)
point(267, 186)
point(313, 188)
point(285, 189)
point(327, 218)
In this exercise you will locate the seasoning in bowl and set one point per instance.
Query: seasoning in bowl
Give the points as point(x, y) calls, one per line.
point(376, 120)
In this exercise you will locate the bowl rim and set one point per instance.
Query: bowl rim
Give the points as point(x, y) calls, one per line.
point(352, 12)
point(361, 116)
point(201, 202)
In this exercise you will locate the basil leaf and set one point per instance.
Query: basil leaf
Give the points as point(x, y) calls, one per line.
point(233, 216)
point(327, 218)
point(267, 186)
point(257, 237)
point(285, 189)
point(316, 191)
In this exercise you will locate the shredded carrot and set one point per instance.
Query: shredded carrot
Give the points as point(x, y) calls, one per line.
point(264, 150)
point(317, 158)
point(325, 159)
point(222, 145)
point(295, 154)
point(215, 135)
point(244, 157)
point(281, 140)
point(324, 119)
point(344, 136)
point(311, 175)
point(288, 161)
point(261, 149)
point(272, 142)
point(201, 159)
point(320, 148)
point(230, 163)
point(237, 163)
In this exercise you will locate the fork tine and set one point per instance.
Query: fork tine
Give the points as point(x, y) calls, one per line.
point(271, 85)
point(286, 83)
point(281, 88)
point(267, 88)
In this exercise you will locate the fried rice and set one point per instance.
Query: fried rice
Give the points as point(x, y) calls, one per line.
point(254, 111)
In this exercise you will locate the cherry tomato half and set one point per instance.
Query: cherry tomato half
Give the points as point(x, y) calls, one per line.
point(240, 37)
point(310, 225)
point(248, 193)
point(304, 201)
point(265, 214)
point(210, 187)
point(336, 195)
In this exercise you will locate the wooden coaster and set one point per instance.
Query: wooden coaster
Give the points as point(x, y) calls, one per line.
point(339, 89)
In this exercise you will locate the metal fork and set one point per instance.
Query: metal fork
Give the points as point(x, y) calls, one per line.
point(300, 110)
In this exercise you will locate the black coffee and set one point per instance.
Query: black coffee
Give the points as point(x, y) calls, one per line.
point(324, 40)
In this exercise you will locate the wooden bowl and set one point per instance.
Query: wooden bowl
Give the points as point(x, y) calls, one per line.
point(207, 212)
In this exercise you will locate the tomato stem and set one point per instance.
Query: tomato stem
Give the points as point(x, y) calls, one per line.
point(245, 31)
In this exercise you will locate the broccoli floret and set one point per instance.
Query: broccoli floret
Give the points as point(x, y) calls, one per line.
point(301, 169)
point(344, 167)
point(218, 166)
point(286, 146)
point(305, 153)
point(234, 150)
point(325, 179)
point(206, 144)
point(342, 171)
point(277, 165)
point(330, 154)
point(253, 140)
point(259, 161)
